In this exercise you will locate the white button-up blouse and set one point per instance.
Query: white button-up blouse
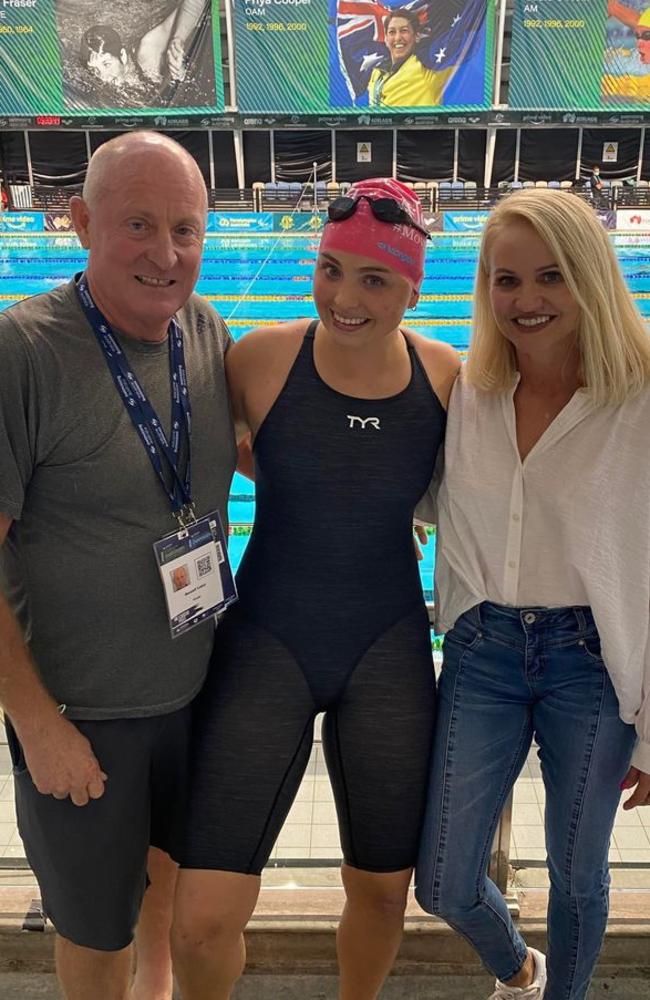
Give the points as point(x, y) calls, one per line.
point(570, 525)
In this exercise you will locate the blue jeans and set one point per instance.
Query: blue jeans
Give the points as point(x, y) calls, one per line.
point(510, 674)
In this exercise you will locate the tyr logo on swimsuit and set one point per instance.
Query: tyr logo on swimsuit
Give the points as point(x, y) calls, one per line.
point(373, 421)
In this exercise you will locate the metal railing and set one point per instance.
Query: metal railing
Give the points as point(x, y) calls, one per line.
point(435, 196)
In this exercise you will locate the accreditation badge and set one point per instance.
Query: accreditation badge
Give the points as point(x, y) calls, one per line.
point(196, 574)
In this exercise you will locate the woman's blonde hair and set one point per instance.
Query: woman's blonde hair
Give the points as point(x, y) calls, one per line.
point(613, 339)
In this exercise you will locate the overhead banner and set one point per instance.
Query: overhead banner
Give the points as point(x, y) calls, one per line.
point(570, 54)
point(322, 56)
point(88, 57)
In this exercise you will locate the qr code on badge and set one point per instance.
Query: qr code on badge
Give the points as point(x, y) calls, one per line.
point(204, 566)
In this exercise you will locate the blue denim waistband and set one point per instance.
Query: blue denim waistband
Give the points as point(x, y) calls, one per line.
point(576, 620)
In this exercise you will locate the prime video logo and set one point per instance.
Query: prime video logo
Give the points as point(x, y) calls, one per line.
point(474, 221)
point(18, 223)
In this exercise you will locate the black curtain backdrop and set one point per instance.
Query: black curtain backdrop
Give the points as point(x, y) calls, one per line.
point(296, 152)
point(225, 163)
point(548, 154)
point(425, 154)
point(381, 148)
point(593, 140)
point(503, 168)
point(257, 157)
point(471, 155)
point(58, 158)
point(13, 158)
point(196, 143)
point(645, 163)
point(98, 139)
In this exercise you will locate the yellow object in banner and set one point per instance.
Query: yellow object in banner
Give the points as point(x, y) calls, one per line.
point(635, 87)
point(411, 85)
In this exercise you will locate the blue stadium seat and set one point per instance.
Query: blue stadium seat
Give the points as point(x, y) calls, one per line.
point(554, 184)
point(457, 190)
point(516, 186)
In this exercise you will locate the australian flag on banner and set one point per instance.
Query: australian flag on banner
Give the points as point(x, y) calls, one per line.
point(452, 36)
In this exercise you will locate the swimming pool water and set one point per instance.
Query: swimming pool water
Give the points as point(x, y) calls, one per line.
point(257, 279)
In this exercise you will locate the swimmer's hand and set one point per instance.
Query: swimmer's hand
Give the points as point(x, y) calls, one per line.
point(420, 537)
point(176, 60)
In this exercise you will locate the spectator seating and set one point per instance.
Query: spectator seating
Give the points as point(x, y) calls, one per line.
point(231, 200)
point(289, 196)
point(49, 199)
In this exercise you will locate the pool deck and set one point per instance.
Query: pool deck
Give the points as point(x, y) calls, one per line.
point(291, 939)
point(291, 944)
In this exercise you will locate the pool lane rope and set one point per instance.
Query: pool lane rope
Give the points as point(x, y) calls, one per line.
point(275, 243)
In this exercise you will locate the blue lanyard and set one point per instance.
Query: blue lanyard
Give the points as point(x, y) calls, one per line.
point(144, 417)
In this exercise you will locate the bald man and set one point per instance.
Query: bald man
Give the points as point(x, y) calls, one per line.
point(96, 693)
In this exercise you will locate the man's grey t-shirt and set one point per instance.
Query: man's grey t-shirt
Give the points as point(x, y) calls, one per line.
point(78, 563)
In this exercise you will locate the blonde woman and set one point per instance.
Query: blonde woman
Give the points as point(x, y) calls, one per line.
point(543, 577)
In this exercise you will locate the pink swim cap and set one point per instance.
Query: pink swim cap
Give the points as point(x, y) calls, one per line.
point(398, 246)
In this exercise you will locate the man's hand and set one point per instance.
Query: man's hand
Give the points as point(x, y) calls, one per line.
point(61, 762)
point(420, 537)
point(641, 796)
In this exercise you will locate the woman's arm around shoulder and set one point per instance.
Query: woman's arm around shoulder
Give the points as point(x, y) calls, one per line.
point(257, 366)
point(440, 361)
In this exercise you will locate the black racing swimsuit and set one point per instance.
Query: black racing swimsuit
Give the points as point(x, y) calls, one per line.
point(331, 618)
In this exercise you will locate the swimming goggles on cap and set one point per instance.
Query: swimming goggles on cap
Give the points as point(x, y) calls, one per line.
point(384, 209)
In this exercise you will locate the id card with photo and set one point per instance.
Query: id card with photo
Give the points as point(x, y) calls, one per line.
point(196, 574)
